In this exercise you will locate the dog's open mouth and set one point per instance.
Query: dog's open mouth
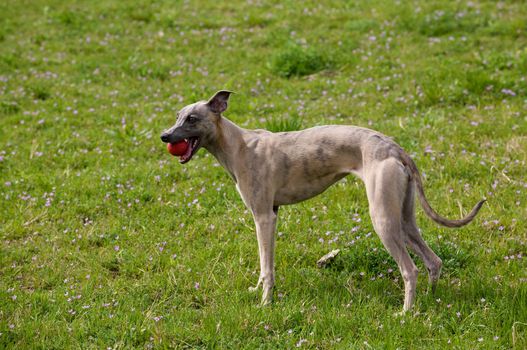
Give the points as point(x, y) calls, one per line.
point(193, 145)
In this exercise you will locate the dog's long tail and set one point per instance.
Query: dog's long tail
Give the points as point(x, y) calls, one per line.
point(426, 206)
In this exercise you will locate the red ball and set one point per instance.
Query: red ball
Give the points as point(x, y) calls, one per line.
point(177, 149)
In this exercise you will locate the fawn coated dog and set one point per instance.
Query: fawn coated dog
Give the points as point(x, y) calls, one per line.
point(274, 169)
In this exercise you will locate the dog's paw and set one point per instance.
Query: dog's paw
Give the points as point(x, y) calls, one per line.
point(404, 313)
point(255, 288)
point(399, 314)
point(266, 302)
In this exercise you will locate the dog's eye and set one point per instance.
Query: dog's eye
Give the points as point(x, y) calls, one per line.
point(192, 119)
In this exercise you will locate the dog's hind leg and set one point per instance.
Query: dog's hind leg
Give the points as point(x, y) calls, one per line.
point(386, 186)
point(415, 241)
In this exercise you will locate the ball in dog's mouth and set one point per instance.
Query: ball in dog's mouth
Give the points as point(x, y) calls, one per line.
point(188, 149)
point(178, 148)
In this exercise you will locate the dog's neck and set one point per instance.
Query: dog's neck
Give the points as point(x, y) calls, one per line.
point(228, 144)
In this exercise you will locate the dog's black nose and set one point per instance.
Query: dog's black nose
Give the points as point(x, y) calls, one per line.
point(164, 138)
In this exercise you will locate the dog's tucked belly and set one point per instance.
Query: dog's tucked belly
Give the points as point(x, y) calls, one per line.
point(297, 191)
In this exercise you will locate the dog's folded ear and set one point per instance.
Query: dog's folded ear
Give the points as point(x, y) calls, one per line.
point(218, 102)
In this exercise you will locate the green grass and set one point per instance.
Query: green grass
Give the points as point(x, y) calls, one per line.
point(295, 60)
point(284, 123)
point(107, 242)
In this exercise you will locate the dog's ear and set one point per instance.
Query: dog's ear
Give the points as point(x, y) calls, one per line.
point(218, 102)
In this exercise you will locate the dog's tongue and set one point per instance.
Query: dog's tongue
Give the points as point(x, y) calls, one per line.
point(187, 154)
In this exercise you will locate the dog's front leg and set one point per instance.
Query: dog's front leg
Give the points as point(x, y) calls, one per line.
point(265, 229)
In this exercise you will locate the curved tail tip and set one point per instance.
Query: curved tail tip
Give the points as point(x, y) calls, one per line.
point(480, 204)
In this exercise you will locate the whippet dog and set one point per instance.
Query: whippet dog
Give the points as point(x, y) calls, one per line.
point(274, 169)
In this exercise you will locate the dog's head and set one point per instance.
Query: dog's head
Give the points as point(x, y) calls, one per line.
point(197, 124)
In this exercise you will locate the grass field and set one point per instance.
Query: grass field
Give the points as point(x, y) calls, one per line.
point(107, 242)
